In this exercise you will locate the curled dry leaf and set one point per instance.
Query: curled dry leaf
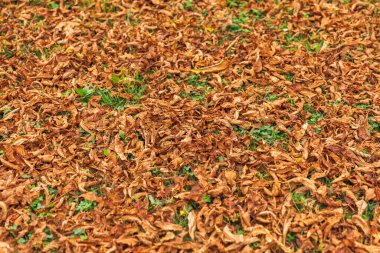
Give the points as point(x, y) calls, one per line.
point(213, 68)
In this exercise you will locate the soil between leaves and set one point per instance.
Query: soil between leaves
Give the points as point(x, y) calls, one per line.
point(189, 126)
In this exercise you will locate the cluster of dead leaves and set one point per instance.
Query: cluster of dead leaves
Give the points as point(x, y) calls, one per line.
point(257, 130)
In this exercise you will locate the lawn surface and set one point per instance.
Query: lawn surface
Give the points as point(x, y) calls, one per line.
point(189, 126)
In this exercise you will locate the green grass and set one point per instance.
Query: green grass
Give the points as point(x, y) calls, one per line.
point(315, 115)
point(206, 199)
point(8, 53)
point(239, 130)
point(313, 47)
point(290, 237)
point(4, 112)
point(369, 213)
point(116, 102)
point(270, 97)
point(189, 4)
point(37, 203)
point(234, 28)
point(49, 236)
point(291, 38)
point(86, 205)
point(299, 200)
point(186, 170)
point(81, 233)
point(153, 203)
point(181, 216)
point(374, 126)
point(289, 77)
point(363, 106)
point(254, 245)
point(53, 5)
point(241, 19)
point(261, 175)
point(195, 80)
point(235, 4)
point(194, 95)
point(257, 13)
point(267, 133)
point(26, 238)
point(156, 171)
point(135, 87)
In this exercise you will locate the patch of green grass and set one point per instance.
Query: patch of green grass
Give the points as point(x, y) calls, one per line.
point(81, 233)
point(168, 182)
point(290, 237)
point(49, 236)
point(369, 213)
point(106, 152)
point(284, 26)
point(86, 93)
point(291, 38)
point(236, 222)
point(254, 245)
point(153, 203)
point(115, 102)
point(239, 130)
point(8, 53)
point(373, 125)
point(193, 95)
point(107, 7)
point(268, 133)
point(363, 106)
point(186, 170)
point(37, 203)
point(207, 199)
point(347, 215)
point(234, 28)
point(194, 80)
point(313, 119)
point(36, 3)
point(326, 181)
point(315, 115)
point(86, 205)
point(289, 76)
point(26, 238)
point(270, 97)
point(241, 19)
point(4, 112)
point(181, 216)
point(257, 13)
point(313, 47)
point(53, 5)
point(261, 175)
point(135, 87)
point(299, 200)
point(235, 4)
point(156, 171)
point(13, 230)
point(51, 190)
point(189, 4)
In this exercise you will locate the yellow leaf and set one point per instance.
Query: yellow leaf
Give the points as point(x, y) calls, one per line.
point(209, 29)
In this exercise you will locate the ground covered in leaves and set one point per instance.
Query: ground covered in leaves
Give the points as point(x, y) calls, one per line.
point(189, 126)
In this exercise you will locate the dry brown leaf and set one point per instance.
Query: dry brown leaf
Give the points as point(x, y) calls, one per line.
point(213, 68)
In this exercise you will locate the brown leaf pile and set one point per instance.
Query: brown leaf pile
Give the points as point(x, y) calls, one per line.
point(189, 126)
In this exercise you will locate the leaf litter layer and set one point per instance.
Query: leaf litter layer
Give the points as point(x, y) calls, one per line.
point(189, 126)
